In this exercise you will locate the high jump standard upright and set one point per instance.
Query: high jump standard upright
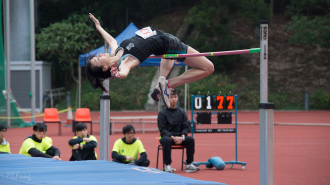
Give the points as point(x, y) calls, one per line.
point(266, 114)
point(105, 117)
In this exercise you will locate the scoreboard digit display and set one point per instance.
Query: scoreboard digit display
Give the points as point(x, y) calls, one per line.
point(198, 102)
point(220, 102)
point(230, 102)
point(208, 100)
point(214, 102)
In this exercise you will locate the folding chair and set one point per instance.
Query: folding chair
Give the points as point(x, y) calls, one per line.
point(82, 115)
point(51, 116)
point(173, 147)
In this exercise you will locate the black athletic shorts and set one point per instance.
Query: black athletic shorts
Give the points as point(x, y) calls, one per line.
point(176, 46)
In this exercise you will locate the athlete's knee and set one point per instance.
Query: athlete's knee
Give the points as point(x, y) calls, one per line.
point(209, 68)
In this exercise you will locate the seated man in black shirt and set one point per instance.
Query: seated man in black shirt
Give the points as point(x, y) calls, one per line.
point(173, 127)
point(37, 146)
point(83, 144)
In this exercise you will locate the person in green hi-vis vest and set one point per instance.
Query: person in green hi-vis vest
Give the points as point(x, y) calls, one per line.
point(126, 149)
point(36, 146)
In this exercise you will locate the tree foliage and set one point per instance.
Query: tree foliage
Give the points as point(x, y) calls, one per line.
point(211, 19)
point(308, 7)
point(310, 22)
point(310, 31)
point(115, 14)
point(320, 99)
point(62, 42)
point(215, 84)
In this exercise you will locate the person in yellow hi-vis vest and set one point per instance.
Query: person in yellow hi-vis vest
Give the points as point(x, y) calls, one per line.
point(36, 146)
point(4, 144)
point(46, 138)
point(83, 145)
point(126, 149)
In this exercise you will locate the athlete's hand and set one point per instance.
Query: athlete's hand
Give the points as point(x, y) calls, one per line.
point(57, 158)
point(75, 147)
point(114, 71)
point(96, 22)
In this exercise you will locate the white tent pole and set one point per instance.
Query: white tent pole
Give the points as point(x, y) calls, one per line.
point(185, 91)
point(79, 83)
point(7, 58)
point(158, 69)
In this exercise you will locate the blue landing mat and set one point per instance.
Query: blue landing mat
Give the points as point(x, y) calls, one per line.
point(21, 169)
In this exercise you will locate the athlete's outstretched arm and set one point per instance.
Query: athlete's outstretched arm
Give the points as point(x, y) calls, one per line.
point(107, 37)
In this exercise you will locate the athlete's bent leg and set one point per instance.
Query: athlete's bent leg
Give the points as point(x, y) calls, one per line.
point(165, 67)
point(202, 68)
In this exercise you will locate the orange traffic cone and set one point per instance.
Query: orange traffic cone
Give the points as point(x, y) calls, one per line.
point(70, 117)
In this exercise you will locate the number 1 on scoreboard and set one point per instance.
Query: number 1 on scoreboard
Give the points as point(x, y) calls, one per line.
point(208, 102)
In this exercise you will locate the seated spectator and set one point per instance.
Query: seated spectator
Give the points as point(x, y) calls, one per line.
point(83, 145)
point(173, 127)
point(126, 149)
point(37, 146)
point(46, 138)
point(4, 144)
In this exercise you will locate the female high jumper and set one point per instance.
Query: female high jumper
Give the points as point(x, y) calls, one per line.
point(131, 52)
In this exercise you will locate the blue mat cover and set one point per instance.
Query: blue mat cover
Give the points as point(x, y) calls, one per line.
point(20, 169)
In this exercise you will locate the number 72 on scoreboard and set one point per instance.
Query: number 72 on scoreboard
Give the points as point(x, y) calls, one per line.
point(214, 102)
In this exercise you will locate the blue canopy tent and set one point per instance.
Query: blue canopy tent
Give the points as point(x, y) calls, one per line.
point(126, 34)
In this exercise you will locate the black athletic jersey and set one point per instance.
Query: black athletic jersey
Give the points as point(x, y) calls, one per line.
point(141, 48)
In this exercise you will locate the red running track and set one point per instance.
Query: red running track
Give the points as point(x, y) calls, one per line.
point(280, 117)
point(301, 153)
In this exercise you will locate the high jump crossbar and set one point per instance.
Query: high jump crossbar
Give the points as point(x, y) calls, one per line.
point(219, 53)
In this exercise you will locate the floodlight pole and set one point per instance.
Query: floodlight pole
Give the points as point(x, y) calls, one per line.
point(105, 117)
point(266, 114)
point(33, 72)
point(7, 58)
